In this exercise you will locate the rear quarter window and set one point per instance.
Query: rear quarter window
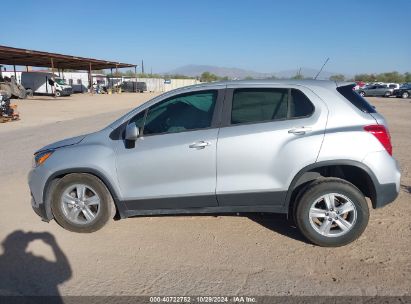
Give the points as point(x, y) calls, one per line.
point(355, 99)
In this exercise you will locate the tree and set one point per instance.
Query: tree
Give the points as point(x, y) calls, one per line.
point(98, 72)
point(130, 73)
point(384, 77)
point(365, 77)
point(298, 76)
point(178, 76)
point(391, 77)
point(249, 78)
point(208, 77)
point(337, 77)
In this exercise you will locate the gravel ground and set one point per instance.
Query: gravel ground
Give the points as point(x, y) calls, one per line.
point(186, 255)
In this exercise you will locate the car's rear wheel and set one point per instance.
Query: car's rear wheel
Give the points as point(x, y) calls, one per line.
point(331, 212)
point(387, 94)
point(405, 95)
point(81, 203)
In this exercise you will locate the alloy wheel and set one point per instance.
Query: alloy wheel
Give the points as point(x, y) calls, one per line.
point(80, 204)
point(333, 215)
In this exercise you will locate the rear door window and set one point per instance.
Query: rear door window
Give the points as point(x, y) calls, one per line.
point(260, 105)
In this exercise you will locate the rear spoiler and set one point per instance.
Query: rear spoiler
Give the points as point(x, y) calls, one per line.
point(345, 83)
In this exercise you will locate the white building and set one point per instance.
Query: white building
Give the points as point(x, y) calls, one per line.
point(79, 81)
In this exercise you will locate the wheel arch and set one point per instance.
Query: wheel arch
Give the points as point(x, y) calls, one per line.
point(53, 179)
point(352, 171)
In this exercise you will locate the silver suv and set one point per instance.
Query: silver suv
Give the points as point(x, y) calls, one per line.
point(310, 149)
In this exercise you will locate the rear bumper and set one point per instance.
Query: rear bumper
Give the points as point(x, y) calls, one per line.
point(387, 177)
point(386, 193)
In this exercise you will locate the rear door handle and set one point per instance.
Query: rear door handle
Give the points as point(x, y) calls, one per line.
point(199, 145)
point(299, 131)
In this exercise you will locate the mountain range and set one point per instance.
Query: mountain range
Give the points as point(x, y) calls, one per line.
point(194, 70)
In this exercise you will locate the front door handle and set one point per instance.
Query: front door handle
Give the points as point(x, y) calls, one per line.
point(299, 131)
point(199, 145)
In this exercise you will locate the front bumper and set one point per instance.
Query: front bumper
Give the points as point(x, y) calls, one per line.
point(399, 93)
point(37, 179)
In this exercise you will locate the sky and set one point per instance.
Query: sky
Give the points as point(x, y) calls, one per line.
point(260, 35)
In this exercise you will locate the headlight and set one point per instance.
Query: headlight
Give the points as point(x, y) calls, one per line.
point(41, 157)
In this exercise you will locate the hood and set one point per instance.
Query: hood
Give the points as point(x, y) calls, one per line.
point(63, 143)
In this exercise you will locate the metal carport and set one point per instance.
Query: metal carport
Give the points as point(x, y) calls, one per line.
point(24, 57)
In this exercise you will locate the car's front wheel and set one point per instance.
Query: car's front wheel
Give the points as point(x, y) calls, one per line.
point(331, 212)
point(81, 203)
point(405, 95)
point(362, 93)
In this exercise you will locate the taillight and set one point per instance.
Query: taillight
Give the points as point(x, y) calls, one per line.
point(382, 134)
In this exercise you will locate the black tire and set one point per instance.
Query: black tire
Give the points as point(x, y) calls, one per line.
point(362, 94)
point(321, 187)
point(405, 95)
point(387, 94)
point(58, 94)
point(106, 208)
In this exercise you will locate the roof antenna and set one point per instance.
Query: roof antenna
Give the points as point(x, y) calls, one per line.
point(321, 68)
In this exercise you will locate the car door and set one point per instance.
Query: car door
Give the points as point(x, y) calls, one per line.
point(379, 90)
point(172, 165)
point(370, 91)
point(269, 134)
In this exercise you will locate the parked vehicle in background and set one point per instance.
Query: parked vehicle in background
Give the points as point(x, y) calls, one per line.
point(359, 85)
point(393, 85)
point(307, 148)
point(132, 86)
point(42, 83)
point(385, 90)
point(404, 91)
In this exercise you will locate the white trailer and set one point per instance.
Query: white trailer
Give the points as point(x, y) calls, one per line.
point(42, 83)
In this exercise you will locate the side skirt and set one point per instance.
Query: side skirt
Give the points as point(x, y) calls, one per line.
point(207, 210)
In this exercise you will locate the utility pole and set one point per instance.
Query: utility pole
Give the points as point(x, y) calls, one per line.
point(53, 87)
point(142, 66)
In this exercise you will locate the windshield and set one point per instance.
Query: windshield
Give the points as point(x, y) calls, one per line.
point(60, 81)
point(406, 86)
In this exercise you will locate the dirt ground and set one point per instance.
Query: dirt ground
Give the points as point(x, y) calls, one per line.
point(186, 255)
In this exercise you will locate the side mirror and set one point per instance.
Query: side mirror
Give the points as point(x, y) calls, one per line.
point(132, 132)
